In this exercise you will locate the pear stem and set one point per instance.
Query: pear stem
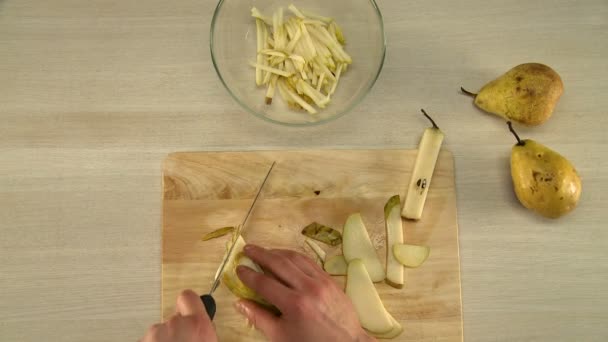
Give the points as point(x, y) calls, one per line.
point(466, 92)
point(431, 119)
point(519, 141)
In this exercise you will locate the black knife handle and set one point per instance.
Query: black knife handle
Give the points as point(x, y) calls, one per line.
point(209, 303)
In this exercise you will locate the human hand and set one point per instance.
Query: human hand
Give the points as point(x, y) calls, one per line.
point(189, 324)
point(313, 307)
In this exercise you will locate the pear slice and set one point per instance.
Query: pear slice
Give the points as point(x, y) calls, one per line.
point(527, 94)
point(357, 245)
point(335, 265)
point(394, 235)
point(411, 255)
point(428, 151)
point(361, 291)
point(394, 332)
point(260, 27)
point(317, 249)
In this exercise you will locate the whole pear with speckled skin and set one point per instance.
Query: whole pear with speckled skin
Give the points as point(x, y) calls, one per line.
point(526, 94)
point(543, 180)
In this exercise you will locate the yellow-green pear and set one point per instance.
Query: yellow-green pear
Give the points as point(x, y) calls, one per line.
point(543, 180)
point(526, 94)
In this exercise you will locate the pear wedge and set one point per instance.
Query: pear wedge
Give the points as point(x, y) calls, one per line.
point(394, 332)
point(395, 275)
point(368, 305)
point(356, 244)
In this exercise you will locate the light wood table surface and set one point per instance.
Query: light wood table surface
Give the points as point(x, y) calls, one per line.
point(94, 94)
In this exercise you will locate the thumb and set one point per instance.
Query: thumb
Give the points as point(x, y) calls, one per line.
point(189, 304)
point(259, 317)
point(190, 309)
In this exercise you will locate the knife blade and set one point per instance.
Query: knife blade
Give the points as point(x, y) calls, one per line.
point(207, 299)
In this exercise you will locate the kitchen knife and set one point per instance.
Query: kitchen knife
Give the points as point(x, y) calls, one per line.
point(207, 299)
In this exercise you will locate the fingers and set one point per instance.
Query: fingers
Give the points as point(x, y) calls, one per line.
point(189, 304)
point(191, 320)
point(188, 328)
point(268, 287)
point(304, 263)
point(260, 318)
point(279, 265)
point(157, 332)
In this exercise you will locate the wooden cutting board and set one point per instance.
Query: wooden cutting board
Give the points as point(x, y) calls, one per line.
point(203, 191)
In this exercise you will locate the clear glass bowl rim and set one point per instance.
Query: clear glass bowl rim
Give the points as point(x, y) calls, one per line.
point(307, 124)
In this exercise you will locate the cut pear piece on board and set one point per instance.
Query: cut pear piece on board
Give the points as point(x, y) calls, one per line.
point(317, 249)
point(411, 255)
point(394, 235)
point(428, 151)
point(357, 245)
point(322, 233)
point(368, 305)
point(335, 265)
point(394, 332)
point(217, 233)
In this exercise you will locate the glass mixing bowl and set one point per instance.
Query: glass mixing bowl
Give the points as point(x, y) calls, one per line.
point(233, 47)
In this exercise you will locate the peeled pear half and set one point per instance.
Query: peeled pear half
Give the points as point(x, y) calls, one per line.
point(232, 280)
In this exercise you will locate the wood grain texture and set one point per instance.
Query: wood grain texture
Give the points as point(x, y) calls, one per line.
point(94, 94)
point(205, 191)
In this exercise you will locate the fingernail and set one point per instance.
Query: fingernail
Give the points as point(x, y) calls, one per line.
point(240, 307)
point(241, 269)
point(250, 248)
